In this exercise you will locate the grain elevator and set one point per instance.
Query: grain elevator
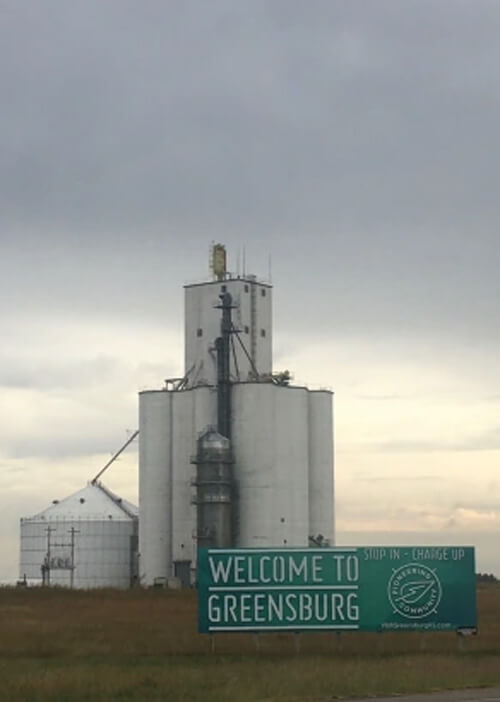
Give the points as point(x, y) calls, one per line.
point(231, 454)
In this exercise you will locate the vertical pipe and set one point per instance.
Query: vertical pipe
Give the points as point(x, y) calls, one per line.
point(49, 531)
point(170, 506)
point(72, 572)
point(223, 349)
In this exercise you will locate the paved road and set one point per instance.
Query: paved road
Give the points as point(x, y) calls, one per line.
point(482, 695)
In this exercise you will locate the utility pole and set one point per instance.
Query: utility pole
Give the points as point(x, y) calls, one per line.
point(73, 531)
point(49, 531)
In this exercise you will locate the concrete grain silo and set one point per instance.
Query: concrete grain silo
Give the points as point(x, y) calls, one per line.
point(280, 438)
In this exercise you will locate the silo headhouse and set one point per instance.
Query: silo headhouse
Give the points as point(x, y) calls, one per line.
point(232, 454)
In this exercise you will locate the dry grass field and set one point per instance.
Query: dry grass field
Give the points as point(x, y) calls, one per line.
point(143, 645)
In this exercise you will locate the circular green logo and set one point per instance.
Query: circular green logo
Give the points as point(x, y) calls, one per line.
point(414, 591)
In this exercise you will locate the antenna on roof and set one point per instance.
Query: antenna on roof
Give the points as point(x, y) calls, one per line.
point(211, 258)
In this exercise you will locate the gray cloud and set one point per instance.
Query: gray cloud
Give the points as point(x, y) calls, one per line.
point(57, 375)
point(384, 398)
point(89, 440)
point(11, 468)
point(486, 441)
point(397, 478)
point(356, 141)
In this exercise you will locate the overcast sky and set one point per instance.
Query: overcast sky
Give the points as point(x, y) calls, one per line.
point(350, 147)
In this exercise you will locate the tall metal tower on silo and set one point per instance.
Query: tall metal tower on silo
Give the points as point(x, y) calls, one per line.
point(251, 306)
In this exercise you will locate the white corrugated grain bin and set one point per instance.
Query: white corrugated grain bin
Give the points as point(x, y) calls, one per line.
point(86, 540)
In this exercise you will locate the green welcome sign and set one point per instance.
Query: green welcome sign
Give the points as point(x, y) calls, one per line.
point(313, 589)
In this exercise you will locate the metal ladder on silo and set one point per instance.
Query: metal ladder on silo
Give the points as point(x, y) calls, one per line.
point(253, 322)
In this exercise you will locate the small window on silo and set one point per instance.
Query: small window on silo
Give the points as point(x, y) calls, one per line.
point(199, 332)
point(246, 329)
point(246, 287)
point(262, 332)
point(263, 292)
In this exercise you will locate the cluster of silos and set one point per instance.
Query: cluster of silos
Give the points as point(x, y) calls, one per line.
point(86, 540)
point(229, 455)
point(281, 472)
point(275, 484)
point(283, 464)
point(170, 423)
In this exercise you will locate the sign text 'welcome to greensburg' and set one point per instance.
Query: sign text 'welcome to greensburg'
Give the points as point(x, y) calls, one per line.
point(364, 588)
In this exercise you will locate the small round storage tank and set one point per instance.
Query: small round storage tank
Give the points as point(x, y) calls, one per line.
point(214, 490)
point(86, 540)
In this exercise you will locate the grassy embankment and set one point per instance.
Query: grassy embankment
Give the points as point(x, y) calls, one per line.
point(143, 645)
